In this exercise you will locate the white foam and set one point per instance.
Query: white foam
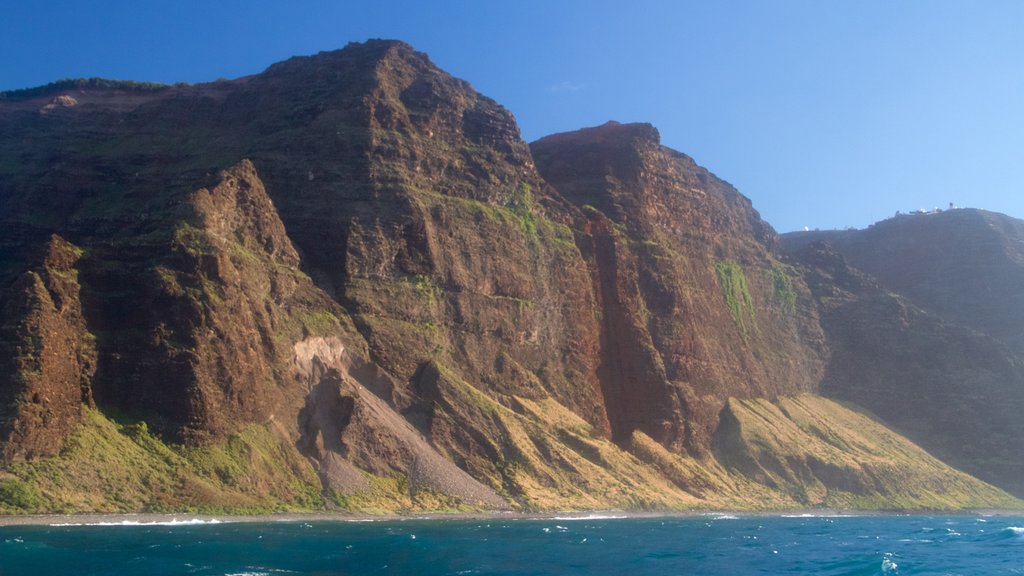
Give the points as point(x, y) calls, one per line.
point(888, 566)
point(260, 571)
point(171, 522)
point(590, 517)
point(806, 515)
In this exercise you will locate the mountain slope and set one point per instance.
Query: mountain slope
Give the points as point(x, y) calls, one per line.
point(695, 308)
point(911, 345)
point(964, 265)
point(343, 282)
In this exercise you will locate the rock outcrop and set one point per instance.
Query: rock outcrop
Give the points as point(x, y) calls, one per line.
point(695, 308)
point(47, 356)
point(194, 321)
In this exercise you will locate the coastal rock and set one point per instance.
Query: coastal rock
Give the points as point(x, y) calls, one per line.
point(47, 356)
point(347, 282)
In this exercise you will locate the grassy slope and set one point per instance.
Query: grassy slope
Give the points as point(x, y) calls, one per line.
point(110, 467)
point(818, 452)
point(793, 453)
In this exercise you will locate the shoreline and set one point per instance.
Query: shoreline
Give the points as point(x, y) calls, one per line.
point(185, 519)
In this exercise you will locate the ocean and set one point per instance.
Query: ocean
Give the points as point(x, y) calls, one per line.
point(711, 544)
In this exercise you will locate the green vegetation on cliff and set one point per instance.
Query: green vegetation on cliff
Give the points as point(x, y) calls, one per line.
point(782, 285)
point(108, 466)
point(737, 296)
point(80, 84)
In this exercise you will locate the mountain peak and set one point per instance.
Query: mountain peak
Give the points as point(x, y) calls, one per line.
point(611, 133)
point(364, 53)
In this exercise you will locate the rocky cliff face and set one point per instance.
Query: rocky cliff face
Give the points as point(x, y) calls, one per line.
point(345, 282)
point(964, 265)
point(922, 344)
point(47, 358)
point(695, 308)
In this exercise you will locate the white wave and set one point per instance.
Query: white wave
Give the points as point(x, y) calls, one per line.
point(807, 515)
point(888, 565)
point(171, 522)
point(590, 517)
point(259, 571)
point(720, 516)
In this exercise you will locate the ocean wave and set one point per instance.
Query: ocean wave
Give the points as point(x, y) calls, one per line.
point(808, 515)
point(888, 565)
point(259, 571)
point(589, 517)
point(1008, 534)
point(171, 522)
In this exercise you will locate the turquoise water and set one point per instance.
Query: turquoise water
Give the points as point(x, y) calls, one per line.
point(711, 544)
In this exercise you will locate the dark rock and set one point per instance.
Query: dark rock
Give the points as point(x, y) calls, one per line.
point(47, 357)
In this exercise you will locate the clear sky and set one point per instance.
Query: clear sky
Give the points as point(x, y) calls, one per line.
point(827, 114)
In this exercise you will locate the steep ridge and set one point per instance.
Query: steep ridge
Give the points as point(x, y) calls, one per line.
point(194, 320)
point(47, 357)
point(344, 283)
point(415, 203)
point(695, 306)
point(916, 359)
point(964, 265)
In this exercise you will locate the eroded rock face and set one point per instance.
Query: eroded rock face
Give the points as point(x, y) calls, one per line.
point(347, 426)
point(417, 205)
point(964, 265)
point(196, 320)
point(356, 252)
point(47, 357)
point(696, 307)
point(952, 389)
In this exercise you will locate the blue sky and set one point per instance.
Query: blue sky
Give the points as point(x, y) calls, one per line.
point(827, 114)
